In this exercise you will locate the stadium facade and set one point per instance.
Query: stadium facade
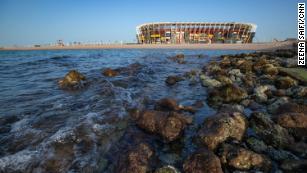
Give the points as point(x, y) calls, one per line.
point(195, 32)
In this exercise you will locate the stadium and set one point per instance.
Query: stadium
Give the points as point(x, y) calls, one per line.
point(195, 32)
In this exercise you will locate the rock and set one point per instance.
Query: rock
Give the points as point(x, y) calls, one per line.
point(131, 69)
point(297, 92)
point(260, 92)
point(212, 68)
point(299, 148)
point(224, 79)
point(291, 108)
point(285, 82)
point(297, 166)
point(172, 80)
point(225, 63)
point(191, 74)
point(249, 81)
point(256, 145)
point(73, 80)
point(236, 75)
point(226, 94)
point(279, 154)
point(296, 123)
point(167, 169)
point(222, 126)
point(227, 108)
point(270, 69)
point(299, 74)
point(290, 62)
point(202, 161)
point(110, 72)
point(243, 159)
point(280, 92)
point(208, 82)
point(169, 125)
point(258, 65)
point(286, 53)
point(136, 160)
point(179, 58)
point(168, 104)
point(271, 133)
point(276, 103)
point(260, 147)
point(254, 105)
point(246, 66)
point(245, 102)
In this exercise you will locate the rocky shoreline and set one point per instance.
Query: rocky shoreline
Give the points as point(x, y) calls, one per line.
point(260, 122)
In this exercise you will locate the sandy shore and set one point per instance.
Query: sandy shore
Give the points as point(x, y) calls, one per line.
point(251, 46)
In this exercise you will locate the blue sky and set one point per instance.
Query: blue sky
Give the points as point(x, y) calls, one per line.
point(25, 22)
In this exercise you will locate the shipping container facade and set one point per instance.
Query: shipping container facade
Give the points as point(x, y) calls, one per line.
point(184, 32)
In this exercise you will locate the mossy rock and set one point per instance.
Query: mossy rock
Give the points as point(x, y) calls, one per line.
point(285, 82)
point(227, 94)
point(299, 74)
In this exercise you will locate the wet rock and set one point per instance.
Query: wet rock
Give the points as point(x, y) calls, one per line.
point(279, 154)
point(222, 126)
point(225, 63)
point(243, 159)
point(299, 148)
point(227, 94)
point(167, 169)
point(236, 75)
point(256, 145)
point(202, 161)
point(136, 160)
point(285, 82)
point(258, 65)
point(299, 74)
point(276, 103)
point(246, 66)
point(270, 69)
point(280, 93)
point(291, 108)
point(297, 166)
point(224, 80)
point(290, 62)
point(179, 58)
point(110, 72)
point(271, 133)
point(227, 108)
point(245, 102)
point(213, 69)
point(297, 92)
point(169, 125)
point(131, 69)
point(296, 123)
point(286, 53)
point(208, 82)
point(260, 92)
point(172, 80)
point(73, 80)
point(249, 81)
point(191, 74)
point(254, 105)
point(168, 104)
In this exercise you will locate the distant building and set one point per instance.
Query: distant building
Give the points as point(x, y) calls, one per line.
point(195, 32)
